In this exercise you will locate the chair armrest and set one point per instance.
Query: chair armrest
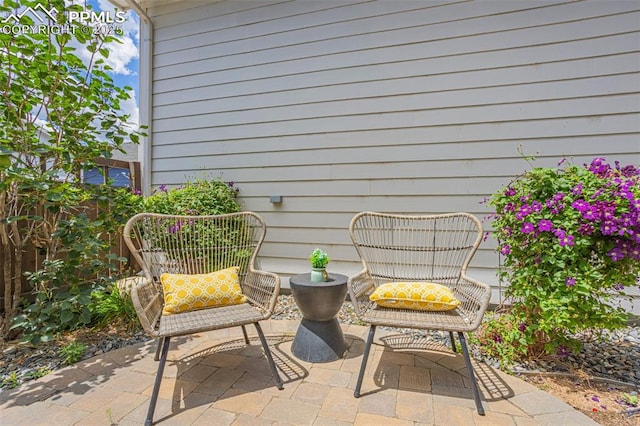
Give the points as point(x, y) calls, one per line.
point(262, 289)
point(474, 299)
point(360, 286)
point(148, 302)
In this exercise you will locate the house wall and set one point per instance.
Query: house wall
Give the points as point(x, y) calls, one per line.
point(399, 106)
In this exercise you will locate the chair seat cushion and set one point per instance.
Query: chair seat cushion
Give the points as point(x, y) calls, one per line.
point(209, 319)
point(419, 296)
point(189, 292)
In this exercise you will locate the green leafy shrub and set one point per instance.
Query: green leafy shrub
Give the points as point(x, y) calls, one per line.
point(70, 289)
point(570, 238)
point(202, 197)
point(197, 197)
point(82, 264)
point(60, 113)
point(72, 352)
point(53, 312)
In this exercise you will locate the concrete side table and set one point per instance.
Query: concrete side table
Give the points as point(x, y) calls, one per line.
point(319, 337)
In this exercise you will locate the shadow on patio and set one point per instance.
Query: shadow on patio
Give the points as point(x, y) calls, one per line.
point(214, 377)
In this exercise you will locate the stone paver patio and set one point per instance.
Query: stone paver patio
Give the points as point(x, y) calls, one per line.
point(214, 379)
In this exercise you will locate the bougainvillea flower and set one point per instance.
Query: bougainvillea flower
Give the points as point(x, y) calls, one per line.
point(545, 225)
point(608, 227)
point(527, 228)
point(599, 166)
point(616, 254)
point(586, 229)
point(589, 213)
point(580, 205)
point(564, 239)
point(577, 190)
point(524, 211)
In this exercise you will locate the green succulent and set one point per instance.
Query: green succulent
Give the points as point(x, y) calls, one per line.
point(319, 258)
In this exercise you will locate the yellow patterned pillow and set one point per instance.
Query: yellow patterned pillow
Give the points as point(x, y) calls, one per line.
point(183, 293)
point(419, 296)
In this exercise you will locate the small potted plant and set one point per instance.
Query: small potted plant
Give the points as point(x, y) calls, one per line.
point(319, 260)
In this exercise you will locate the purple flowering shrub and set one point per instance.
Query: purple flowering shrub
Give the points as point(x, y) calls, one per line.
point(570, 239)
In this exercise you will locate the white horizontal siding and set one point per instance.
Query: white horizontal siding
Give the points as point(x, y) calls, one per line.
point(597, 76)
point(558, 136)
point(401, 106)
point(252, 77)
point(243, 67)
point(406, 161)
point(510, 96)
point(486, 69)
point(252, 125)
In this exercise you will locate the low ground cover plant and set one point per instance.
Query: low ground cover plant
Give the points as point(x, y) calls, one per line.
point(112, 306)
point(72, 352)
point(570, 239)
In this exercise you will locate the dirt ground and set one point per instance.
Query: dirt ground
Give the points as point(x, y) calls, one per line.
point(603, 402)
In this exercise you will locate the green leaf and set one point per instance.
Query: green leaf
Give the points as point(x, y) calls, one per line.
point(85, 316)
point(5, 161)
point(66, 316)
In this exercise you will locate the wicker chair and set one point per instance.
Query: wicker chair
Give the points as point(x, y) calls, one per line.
point(418, 248)
point(196, 245)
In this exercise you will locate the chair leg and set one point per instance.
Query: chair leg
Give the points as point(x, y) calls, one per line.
point(156, 357)
point(453, 342)
point(156, 384)
point(267, 353)
point(365, 356)
point(246, 336)
point(472, 377)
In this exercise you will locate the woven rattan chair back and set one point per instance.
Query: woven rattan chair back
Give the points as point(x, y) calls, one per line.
point(198, 245)
point(418, 248)
point(195, 244)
